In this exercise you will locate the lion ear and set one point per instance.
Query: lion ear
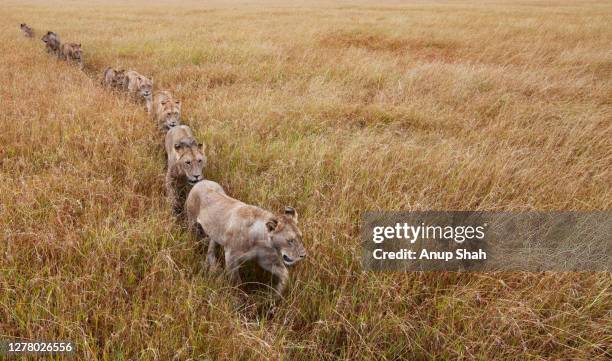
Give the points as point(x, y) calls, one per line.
point(272, 224)
point(290, 211)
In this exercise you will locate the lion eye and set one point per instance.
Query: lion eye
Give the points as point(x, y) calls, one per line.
point(188, 162)
point(291, 241)
point(199, 160)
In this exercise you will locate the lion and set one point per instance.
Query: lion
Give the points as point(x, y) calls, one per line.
point(246, 232)
point(28, 32)
point(52, 42)
point(113, 78)
point(167, 110)
point(140, 87)
point(72, 52)
point(186, 161)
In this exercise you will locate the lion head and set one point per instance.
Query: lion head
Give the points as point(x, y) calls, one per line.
point(170, 114)
point(146, 88)
point(77, 52)
point(190, 160)
point(286, 236)
point(118, 78)
point(48, 36)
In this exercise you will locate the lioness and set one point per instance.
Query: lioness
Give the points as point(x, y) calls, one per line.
point(186, 160)
point(140, 87)
point(52, 42)
point(27, 31)
point(72, 52)
point(167, 110)
point(113, 78)
point(245, 232)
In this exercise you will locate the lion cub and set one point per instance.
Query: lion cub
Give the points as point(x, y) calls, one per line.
point(113, 78)
point(167, 110)
point(72, 52)
point(245, 232)
point(52, 42)
point(140, 87)
point(186, 160)
point(27, 30)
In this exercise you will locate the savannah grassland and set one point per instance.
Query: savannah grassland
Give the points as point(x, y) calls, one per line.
point(334, 108)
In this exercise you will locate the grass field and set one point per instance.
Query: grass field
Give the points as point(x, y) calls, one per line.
point(331, 107)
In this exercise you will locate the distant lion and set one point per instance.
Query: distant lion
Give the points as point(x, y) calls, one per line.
point(245, 232)
point(113, 78)
point(28, 32)
point(140, 87)
point(52, 42)
point(72, 52)
point(186, 160)
point(167, 110)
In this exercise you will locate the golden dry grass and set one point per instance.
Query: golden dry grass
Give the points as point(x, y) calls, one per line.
point(334, 108)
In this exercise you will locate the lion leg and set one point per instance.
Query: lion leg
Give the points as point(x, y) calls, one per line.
point(171, 191)
point(283, 276)
point(232, 266)
point(211, 259)
point(267, 258)
point(270, 262)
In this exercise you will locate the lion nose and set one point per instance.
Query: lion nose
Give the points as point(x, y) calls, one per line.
point(197, 177)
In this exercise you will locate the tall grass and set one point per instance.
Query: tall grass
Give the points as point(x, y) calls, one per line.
point(329, 107)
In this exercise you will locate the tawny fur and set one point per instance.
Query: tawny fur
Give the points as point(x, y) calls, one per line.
point(72, 52)
point(140, 87)
point(245, 232)
point(28, 32)
point(186, 161)
point(52, 43)
point(167, 110)
point(113, 78)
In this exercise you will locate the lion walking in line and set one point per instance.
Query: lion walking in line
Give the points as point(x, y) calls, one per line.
point(245, 232)
point(28, 32)
point(52, 43)
point(186, 161)
point(140, 87)
point(72, 52)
